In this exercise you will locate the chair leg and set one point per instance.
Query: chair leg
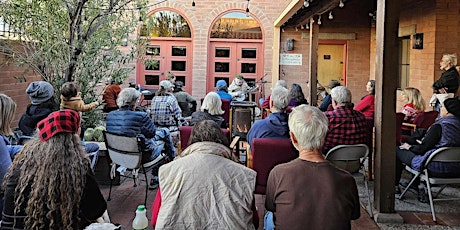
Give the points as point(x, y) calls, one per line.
point(430, 196)
point(439, 192)
point(371, 213)
point(408, 186)
point(146, 186)
point(134, 179)
point(110, 189)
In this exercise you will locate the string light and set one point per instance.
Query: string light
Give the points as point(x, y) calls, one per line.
point(296, 29)
point(341, 4)
point(301, 27)
point(247, 9)
point(319, 20)
point(282, 30)
point(307, 26)
point(306, 3)
point(193, 3)
point(331, 16)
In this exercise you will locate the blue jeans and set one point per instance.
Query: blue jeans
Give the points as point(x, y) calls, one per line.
point(158, 143)
point(269, 224)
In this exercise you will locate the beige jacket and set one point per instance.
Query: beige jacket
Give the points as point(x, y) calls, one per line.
point(77, 104)
point(205, 190)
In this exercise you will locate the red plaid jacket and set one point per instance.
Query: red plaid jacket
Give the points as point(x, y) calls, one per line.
point(346, 127)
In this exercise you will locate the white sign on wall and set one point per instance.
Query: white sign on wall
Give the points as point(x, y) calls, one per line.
point(290, 59)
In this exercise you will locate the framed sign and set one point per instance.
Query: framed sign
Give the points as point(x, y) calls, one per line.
point(290, 59)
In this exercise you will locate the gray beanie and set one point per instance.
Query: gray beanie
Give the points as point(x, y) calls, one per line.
point(39, 92)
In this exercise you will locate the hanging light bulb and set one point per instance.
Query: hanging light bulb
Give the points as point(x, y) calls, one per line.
point(193, 3)
point(247, 11)
point(296, 29)
point(282, 30)
point(331, 16)
point(341, 5)
point(306, 3)
point(301, 27)
point(307, 26)
point(319, 20)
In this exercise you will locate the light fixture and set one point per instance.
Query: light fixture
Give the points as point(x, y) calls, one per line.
point(193, 3)
point(319, 20)
point(296, 29)
point(306, 3)
point(301, 27)
point(307, 26)
point(331, 16)
point(247, 9)
point(341, 5)
point(282, 30)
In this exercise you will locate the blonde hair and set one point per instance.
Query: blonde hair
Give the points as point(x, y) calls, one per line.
point(450, 58)
point(7, 110)
point(415, 97)
point(212, 104)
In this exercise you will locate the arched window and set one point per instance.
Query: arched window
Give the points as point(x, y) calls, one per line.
point(236, 25)
point(166, 23)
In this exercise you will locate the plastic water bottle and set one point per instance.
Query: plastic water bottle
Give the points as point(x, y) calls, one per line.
point(140, 221)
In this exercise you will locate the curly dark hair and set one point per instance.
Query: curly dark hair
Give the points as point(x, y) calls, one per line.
point(297, 94)
point(55, 173)
point(372, 86)
point(207, 130)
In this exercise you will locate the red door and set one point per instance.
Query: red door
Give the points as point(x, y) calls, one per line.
point(227, 59)
point(174, 56)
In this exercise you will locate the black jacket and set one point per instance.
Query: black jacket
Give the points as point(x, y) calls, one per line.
point(449, 80)
point(29, 120)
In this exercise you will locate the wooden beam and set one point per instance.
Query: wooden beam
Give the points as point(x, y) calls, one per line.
point(313, 62)
point(287, 13)
point(386, 72)
point(276, 55)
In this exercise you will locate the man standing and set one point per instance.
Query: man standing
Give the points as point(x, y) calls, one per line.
point(310, 192)
point(276, 124)
point(346, 125)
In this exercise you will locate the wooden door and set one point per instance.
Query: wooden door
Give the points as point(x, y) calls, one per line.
point(227, 59)
point(331, 63)
point(173, 56)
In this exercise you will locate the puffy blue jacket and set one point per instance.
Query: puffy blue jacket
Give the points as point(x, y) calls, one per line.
point(130, 123)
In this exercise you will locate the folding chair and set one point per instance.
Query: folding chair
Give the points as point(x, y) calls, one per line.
point(127, 152)
point(444, 154)
point(357, 152)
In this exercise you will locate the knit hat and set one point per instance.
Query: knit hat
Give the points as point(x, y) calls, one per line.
point(63, 121)
point(239, 76)
point(39, 92)
point(221, 84)
point(166, 84)
point(453, 106)
point(178, 84)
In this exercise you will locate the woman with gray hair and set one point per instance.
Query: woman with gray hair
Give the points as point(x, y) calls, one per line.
point(211, 109)
point(128, 122)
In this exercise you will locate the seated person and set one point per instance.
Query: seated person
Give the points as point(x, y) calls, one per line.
point(7, 110)
point(443, 133)
point(276, 124)
point(110, 95)
point(206, 178)
point(221, 89)
point(310, 191)
point(165, 109)
point(327, 100)
point(41, 95)
point(266, 103)
point(128, 122)
point(366, 105)
point(46, 169)
point(239, 88)
point(186, 102)
point(346, 125)
point(71, 98)
point(414, 105)
point(297, 96)
point(210, 110)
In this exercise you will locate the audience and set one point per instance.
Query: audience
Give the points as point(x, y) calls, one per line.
point(221, 88)
point(366, 105)
point(41, 95)
point(327, 100)
point(210, 110)
point(71, 98)
point(50, 184)
point(266, 103)
point(297, 96)
point(276, 124)
point(110, 95)
point(414, 103)
point(346, 126)
point(171, 77)
point(310, 192)
point(447, 85)
point(443, 133)
point(207, 179)
point(186, 102)
point(165, 108)
point(128, 122)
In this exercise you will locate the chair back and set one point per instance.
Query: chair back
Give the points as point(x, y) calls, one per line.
point(123, 151)
point(226, 108)
point(425, 119)
point(266, 154)
point(444, 154)
point(399, 121)
point(347, 152)
point(186, 132)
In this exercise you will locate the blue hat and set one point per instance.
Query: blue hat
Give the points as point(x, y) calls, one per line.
point(221, 84)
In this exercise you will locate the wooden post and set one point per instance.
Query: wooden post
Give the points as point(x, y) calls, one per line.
point(313, 62)
point(386, 72)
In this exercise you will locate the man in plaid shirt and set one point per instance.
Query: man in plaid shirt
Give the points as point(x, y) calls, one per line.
point(346, 126)
point(165, 109)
